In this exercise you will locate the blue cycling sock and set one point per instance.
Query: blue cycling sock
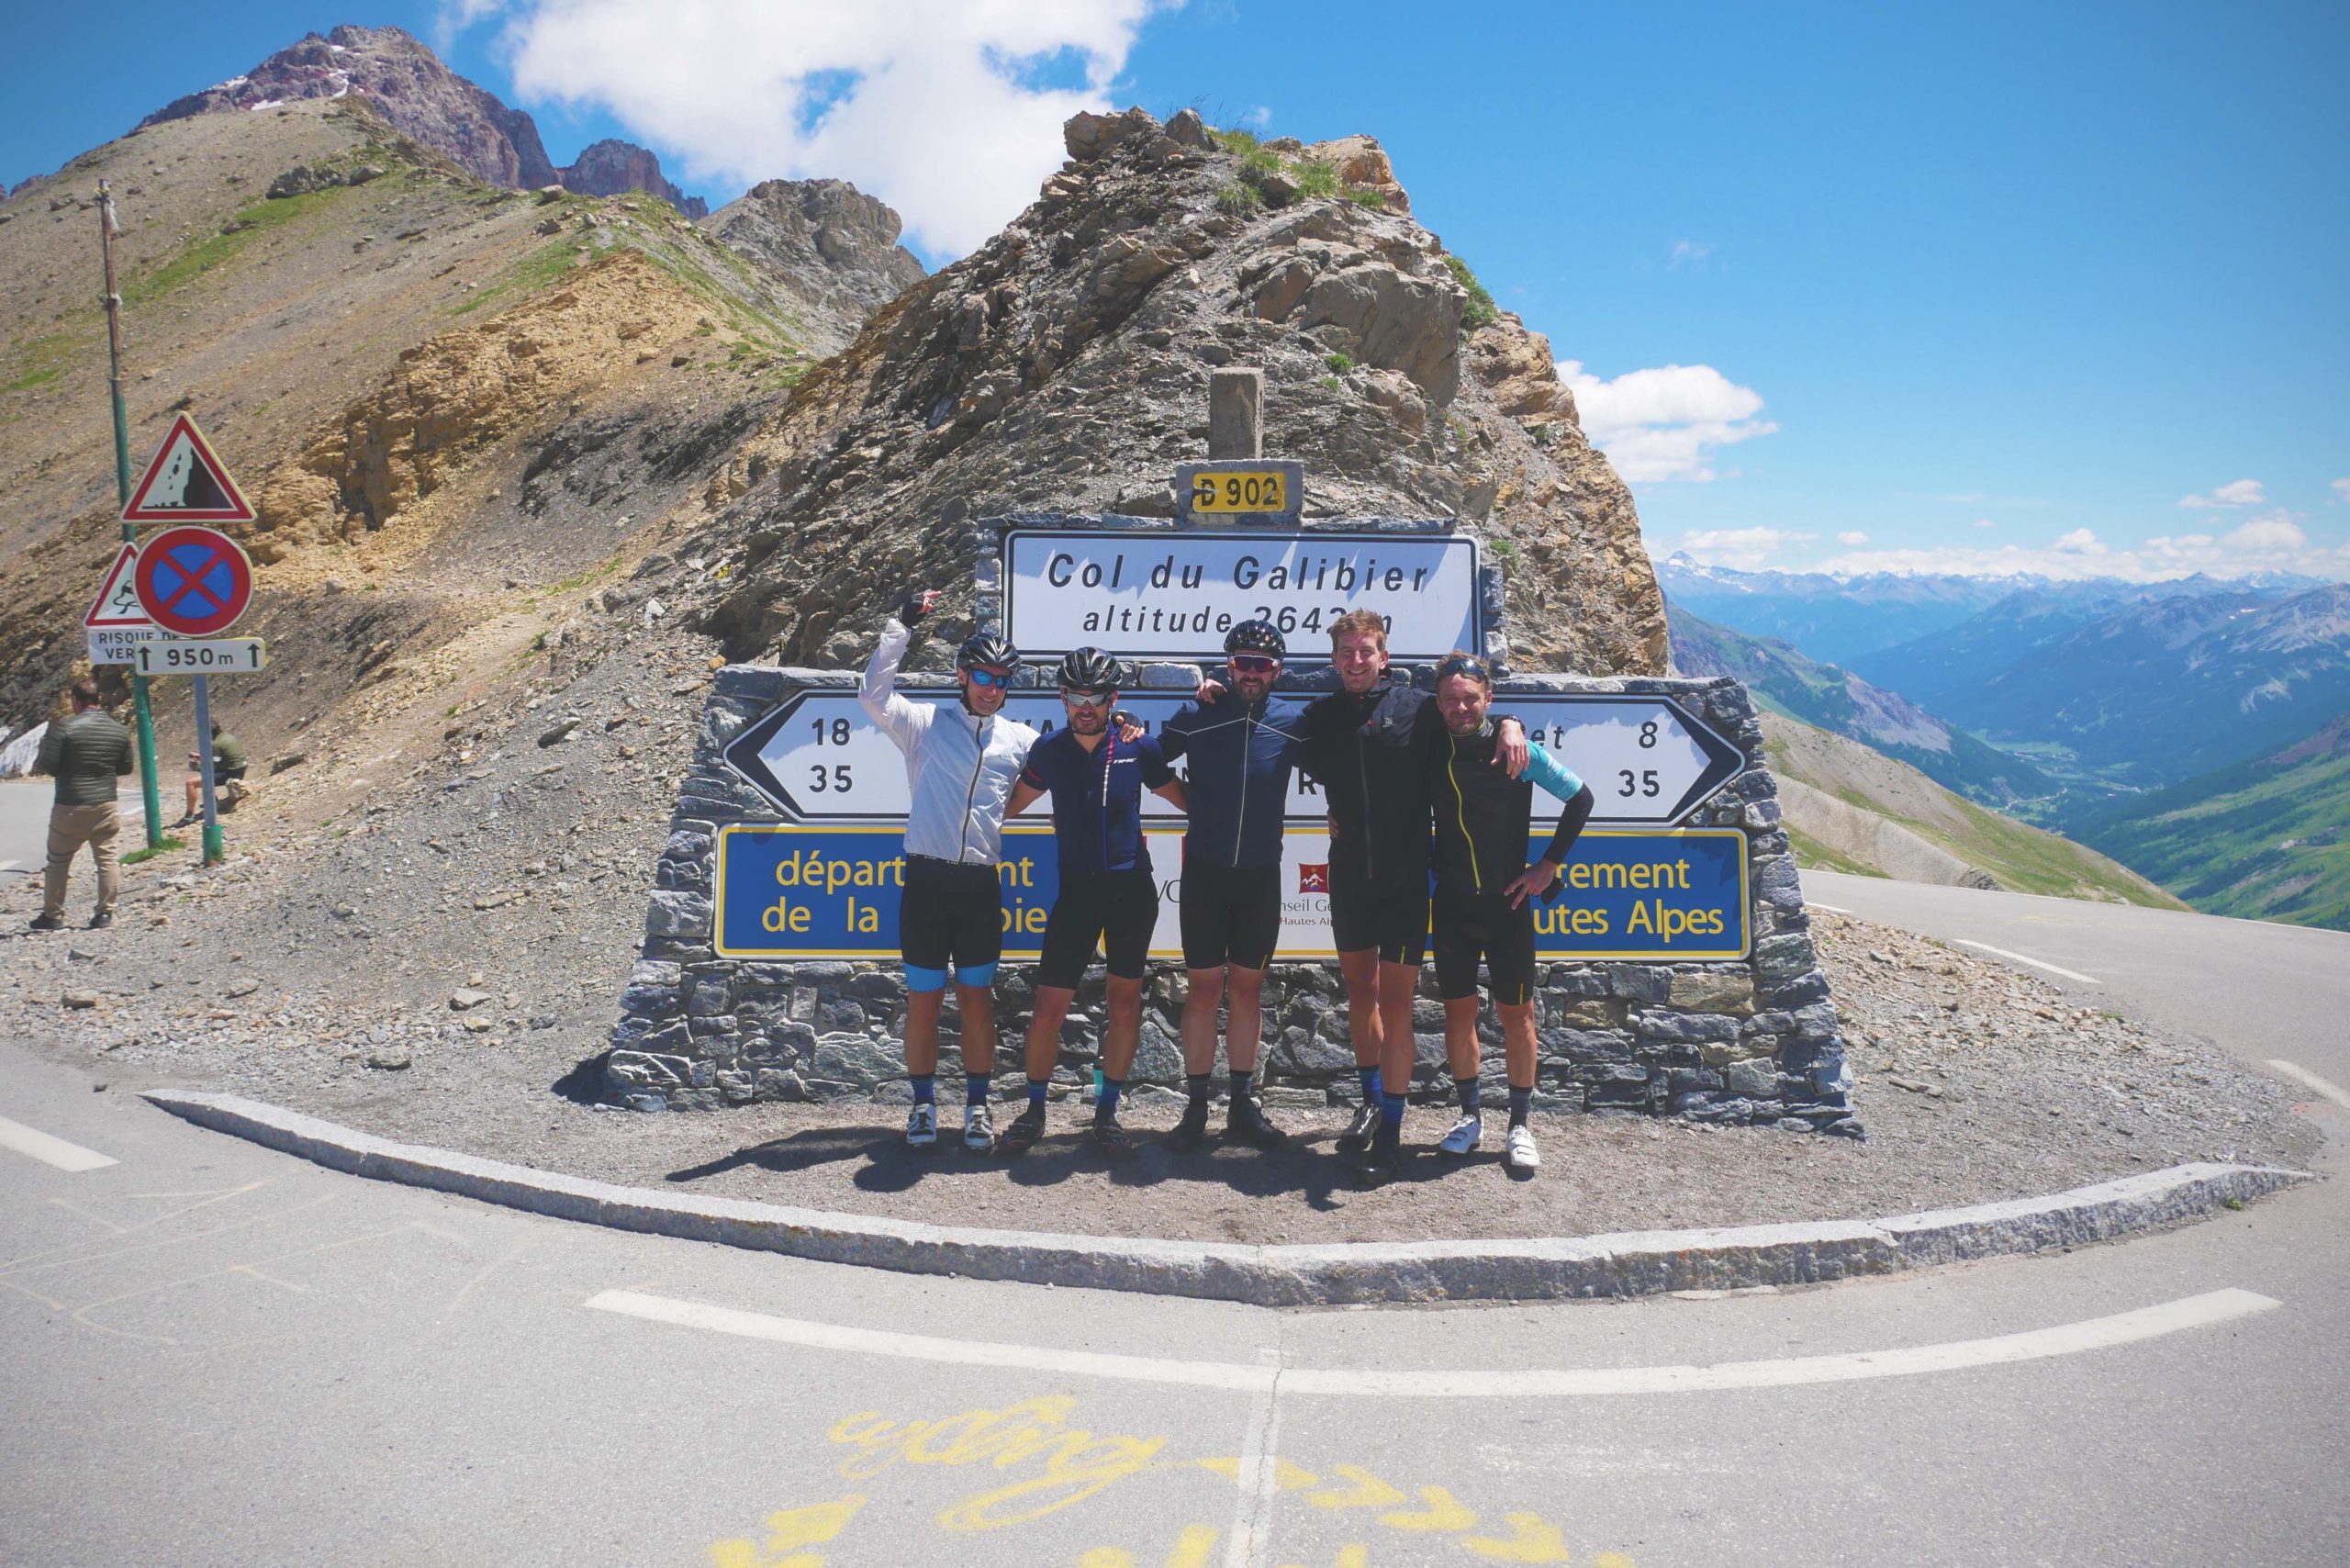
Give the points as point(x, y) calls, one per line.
point(1106, 1106)
point(1240, 1082)
point(974, 1089)
point(1036, 1087)
point(1369, 1078)
point(1521, 1102)
point(1471, 1097)
point(925, 1087)
point(1391, 1109)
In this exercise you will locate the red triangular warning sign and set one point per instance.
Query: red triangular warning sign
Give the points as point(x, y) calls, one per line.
point(118, 601)
point(187, 483)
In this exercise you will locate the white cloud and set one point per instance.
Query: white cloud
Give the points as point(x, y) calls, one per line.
point(941, 107)
point(1691, 254)
point(2273, 543)
point(1262, 115)
point(1664, 423)
point(2341, 489)
point(2235, 493)
point(1984, 523)
point(1746, 549)
point(1851, 538)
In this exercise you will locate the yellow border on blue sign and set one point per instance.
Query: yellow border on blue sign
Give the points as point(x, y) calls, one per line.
point(1707, 956)
point(1716, 956)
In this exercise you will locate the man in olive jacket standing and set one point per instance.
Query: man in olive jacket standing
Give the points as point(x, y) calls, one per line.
point(85, 754)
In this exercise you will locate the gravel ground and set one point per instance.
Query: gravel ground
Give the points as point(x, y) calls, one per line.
point(324, 967)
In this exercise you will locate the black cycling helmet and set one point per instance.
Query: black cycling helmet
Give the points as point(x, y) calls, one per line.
point(986, 648)
point(1089, 670)
point(1256, 637)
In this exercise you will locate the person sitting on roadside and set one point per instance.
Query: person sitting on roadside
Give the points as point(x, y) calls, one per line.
point(228, 763)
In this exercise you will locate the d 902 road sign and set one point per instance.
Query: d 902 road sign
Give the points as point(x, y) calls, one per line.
point(820, 759)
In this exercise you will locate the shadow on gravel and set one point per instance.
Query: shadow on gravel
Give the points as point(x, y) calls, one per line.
point(584, 1084)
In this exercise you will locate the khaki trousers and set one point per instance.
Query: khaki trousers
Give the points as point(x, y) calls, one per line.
point(70, 828)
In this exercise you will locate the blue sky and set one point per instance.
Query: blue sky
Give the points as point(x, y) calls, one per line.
point(2000, 286)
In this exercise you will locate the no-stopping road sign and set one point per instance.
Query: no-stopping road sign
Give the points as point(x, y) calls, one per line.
point(194, 582)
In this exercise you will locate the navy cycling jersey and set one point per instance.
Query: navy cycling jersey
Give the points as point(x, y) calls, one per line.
point(1241, 755)
point(1097, 797)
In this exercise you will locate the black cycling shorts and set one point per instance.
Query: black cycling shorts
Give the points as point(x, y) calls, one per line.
point(1231, 914)
point(1470, 925)
point(950, 917)
point(1389, 914)
point(1115, 910)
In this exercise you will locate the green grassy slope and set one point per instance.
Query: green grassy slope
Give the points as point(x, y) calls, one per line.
point(2268, 839)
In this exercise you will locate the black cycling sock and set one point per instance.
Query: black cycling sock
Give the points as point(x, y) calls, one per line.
point(1471, 1096)
point(1200, 1085)
point(1240, 1082)
point(1039, 1088)
point(1521, 1101)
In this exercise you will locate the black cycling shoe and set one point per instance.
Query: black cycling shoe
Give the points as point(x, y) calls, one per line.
point(1024, 1132)
point(1383, 1156)
point(1246, 1122)
point(1357, 1138)
point(47, 922)
point(1192, 1130)
point(1111, 1139)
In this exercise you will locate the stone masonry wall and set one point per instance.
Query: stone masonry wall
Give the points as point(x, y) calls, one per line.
point(1751, 1042)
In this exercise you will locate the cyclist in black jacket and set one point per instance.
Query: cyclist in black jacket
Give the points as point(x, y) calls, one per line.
point(1483, 884)
point(1365, 745)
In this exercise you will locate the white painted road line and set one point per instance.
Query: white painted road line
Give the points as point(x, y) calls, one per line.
point(52, 1151)
point(1830, 908)
point(2303, 1076)
point(2035, 963)
point(2038, 1344)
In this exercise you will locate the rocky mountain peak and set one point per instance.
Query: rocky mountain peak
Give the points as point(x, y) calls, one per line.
point(609, 167)
point(839, 245)
point(1064, 366)
point(422, 98)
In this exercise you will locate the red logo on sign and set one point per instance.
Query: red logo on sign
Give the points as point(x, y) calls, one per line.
point(1313, 878)
point(193, 581)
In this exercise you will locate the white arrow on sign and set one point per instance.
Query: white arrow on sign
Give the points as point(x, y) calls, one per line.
point(820, 760)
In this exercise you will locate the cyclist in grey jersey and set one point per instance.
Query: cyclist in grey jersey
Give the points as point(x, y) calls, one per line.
point(961, 765)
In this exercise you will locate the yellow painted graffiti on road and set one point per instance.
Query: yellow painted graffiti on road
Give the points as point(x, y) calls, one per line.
point(1059, 1465)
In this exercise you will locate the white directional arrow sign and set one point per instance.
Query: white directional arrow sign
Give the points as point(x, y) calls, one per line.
point(820, 760)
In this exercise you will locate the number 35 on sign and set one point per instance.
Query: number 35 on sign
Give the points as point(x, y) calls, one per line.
point(176, 656)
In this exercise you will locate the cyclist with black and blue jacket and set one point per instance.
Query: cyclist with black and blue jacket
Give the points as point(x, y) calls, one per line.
point(1241, 748)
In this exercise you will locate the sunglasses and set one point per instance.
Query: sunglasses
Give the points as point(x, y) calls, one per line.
point(989, 677)
point(1087, 699)
point(1253, 663)
point(1473, 668)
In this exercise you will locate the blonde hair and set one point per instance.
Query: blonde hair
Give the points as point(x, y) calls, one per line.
point(1354, 621)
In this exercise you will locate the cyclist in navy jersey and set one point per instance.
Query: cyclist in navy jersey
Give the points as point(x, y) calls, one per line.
point(1241, 747)
point(1108, 895)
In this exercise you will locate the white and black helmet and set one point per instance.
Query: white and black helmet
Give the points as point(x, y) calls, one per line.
point(1091, 670)
point(1258, 636)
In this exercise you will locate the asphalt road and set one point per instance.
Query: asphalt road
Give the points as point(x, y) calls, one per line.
point(23, 827)
point(213, 1354)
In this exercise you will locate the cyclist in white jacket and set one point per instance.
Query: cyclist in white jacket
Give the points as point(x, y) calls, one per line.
point(961, 764)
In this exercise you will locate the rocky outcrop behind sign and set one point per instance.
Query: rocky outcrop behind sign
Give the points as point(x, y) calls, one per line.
point(1064, 368)
point(1743, 1042)
point(423, 98)
point(838, 245)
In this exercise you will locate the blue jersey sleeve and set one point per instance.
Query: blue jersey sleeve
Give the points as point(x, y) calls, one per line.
point(1174, 736)
point(1156, 774)
point(1555, 777)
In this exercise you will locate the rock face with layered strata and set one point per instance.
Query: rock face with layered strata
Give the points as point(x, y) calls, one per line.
point(837, 246)
point(1064, 366)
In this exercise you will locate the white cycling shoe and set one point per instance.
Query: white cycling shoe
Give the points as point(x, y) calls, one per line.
point(922, 1125)
point(979, 1129)
point(1465, 1135)
point(1519, 1153)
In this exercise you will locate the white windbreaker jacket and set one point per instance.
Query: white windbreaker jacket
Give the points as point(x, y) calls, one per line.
point(959, 769)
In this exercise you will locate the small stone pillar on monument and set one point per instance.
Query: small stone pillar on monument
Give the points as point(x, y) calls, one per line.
point(1235, 414)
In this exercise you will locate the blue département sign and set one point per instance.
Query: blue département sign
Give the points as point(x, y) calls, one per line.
point(791, 891)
